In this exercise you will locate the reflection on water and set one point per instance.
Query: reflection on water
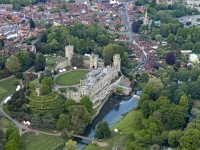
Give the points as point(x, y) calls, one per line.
point(112, 112)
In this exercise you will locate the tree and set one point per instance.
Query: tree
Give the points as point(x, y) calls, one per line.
point(13, 64)
point(174, 137)
point(79, 118)
point(117, 26)
point(108, 53)
point(70, 145)
point(77, 60)
point(135, 27)
point(16, 137)
point(170, 38)
point(9, 132)
point(87, 103)
point(31, 23)
point(24, 60)
point(63, 122)
point(190, 139)
point(196, 47)
point(102, 130)
point(158, 38)
point(46, 85)
point(119, 90)
point(184, 102)
point(144, 77)
point(40, 8)
point(40, 62)
point(170, 58)
point(11, 145)
point(69, 102)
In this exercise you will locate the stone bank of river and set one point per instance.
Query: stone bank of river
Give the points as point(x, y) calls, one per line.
point(112, 112)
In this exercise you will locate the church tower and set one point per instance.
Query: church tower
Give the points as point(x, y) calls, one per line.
point(117, 62)
point(69, 52)
point(146, 21)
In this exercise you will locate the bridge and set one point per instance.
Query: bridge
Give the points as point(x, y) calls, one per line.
point(101, 144)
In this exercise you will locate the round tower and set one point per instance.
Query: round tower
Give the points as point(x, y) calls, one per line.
point(69, 52)
point(117, 62)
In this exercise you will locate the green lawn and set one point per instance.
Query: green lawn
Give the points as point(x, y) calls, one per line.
point(7, 87)
point(6, 123)
point(70, 78)
point(126, 125)
point(40, 142)
point(116, 139)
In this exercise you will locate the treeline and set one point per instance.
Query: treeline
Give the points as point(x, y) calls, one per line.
point(85, 39)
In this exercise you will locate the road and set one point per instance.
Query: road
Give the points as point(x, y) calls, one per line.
point(131, 39)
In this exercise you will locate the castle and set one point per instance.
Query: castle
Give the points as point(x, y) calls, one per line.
point(99, 82)
point(97, 79)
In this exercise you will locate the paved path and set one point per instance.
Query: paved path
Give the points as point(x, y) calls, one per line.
point(7, 78)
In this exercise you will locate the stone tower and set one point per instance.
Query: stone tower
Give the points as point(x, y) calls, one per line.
point(146, 21)
point(117, 62)
point(93, 61)
point(69, 52)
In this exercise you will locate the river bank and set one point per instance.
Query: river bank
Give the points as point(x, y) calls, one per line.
point(112, 111)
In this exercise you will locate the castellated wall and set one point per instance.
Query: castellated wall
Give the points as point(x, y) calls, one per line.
point(62, 64)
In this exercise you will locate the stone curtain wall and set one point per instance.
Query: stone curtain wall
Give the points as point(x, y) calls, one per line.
point(61, 65)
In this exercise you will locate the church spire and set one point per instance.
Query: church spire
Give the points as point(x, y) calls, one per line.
point(145, 21)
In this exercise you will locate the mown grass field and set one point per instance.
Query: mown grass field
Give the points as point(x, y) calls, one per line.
point(7, 88)
point(40, 141)
point(70, 78)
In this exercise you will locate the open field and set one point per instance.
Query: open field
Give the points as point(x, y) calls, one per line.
point(116, 139)
point(70, 78)
point(40, 142)
point(7, 87)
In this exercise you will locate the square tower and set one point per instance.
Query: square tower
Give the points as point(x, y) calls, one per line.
point(69, 52)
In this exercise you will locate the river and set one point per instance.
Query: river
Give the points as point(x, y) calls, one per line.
point(112, 112)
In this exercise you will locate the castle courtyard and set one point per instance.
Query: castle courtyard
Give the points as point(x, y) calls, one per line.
point(70, 78)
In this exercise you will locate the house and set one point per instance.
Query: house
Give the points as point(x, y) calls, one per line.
point(186, 52)
point(40, 29)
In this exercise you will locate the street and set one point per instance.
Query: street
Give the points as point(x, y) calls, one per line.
point(140, 69)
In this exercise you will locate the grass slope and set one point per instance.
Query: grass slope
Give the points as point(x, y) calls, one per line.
point(7, 87)
point(40, 142)
point(70, 78)
point(126, 125)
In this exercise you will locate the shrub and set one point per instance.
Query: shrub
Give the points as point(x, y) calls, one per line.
point(4, 74)
point(19, 75)
point(11, 107)
point(16, 82)
point(28, 92)
point(19, 103)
